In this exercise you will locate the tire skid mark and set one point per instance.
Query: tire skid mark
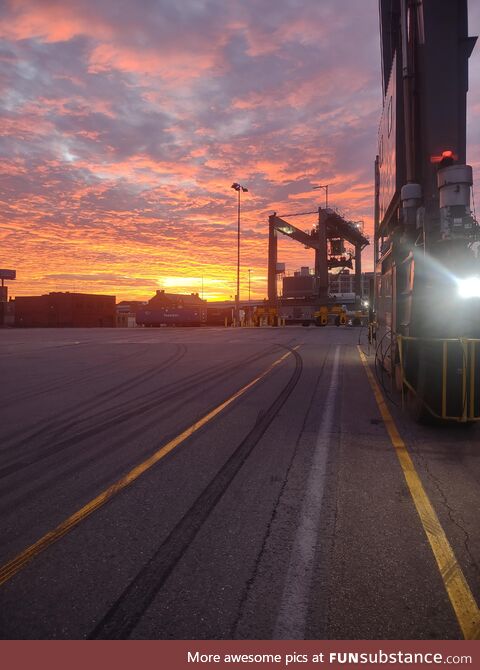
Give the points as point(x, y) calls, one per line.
point(16, 564)
point(120, 414)
point(62, 382)
point(129, 608)
point(249, 585)
point(51, 427)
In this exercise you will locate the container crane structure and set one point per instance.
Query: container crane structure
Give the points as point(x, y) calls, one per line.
point(330, 232)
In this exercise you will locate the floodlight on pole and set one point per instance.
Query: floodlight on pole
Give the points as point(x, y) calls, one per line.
point(239, 188)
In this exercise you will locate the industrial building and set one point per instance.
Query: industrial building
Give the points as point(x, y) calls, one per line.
point(298, 299)
point(304, 283)
point(301, 283)
point(7, 312)
point(6, 305)
point(344, 282)
point(126, 313)
point(65, 310)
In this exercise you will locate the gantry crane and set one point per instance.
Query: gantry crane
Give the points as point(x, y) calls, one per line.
point(331, 228)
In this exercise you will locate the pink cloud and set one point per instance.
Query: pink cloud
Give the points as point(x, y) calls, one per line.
point(50, 21)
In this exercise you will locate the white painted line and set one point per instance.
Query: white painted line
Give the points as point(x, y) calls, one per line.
point(292, 614)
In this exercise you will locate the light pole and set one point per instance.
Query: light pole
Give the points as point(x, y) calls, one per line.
point(238, 188)
point(325, 188)
point(249, 279)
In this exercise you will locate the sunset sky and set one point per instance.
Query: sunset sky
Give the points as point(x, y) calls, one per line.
point(125, 122)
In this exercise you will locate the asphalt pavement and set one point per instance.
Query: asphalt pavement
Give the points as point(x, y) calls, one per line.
point(212, 483)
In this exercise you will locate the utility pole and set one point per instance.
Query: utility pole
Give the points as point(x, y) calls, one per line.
point(325, 188)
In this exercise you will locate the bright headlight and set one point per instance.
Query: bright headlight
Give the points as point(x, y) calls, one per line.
point(469, 287)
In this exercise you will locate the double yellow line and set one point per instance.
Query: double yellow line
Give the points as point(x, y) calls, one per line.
point(461, 597)
point(8, 570)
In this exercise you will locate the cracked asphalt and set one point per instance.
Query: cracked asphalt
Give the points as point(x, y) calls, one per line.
point(284, 514)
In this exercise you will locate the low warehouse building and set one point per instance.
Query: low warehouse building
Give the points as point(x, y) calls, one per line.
point(65, 310)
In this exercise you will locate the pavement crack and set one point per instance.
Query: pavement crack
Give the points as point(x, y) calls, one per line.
point(452, 513)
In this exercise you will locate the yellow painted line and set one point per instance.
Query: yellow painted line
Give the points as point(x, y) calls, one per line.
point(8, 570)
point(461, 598)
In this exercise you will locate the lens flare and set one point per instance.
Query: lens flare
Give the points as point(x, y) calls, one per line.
point(469, 287)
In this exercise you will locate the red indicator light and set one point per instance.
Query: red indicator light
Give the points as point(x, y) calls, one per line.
point(448, 153)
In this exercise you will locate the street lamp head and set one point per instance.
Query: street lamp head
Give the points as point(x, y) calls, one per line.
point(238, 187)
